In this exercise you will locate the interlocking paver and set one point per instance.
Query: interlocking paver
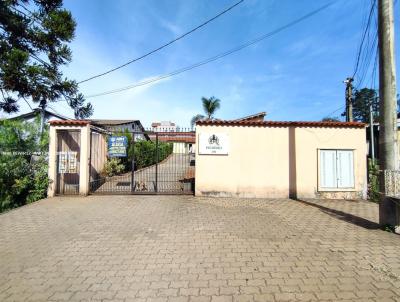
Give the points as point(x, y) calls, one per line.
point(180, 248)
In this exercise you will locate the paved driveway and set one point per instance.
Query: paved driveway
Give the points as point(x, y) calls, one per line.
point(149, 248)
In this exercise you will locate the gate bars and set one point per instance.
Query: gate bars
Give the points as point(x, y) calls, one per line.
point(158, 163)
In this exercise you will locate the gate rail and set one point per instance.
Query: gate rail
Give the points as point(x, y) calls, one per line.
point(171, 173)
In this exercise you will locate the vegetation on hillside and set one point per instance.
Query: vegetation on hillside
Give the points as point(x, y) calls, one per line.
point(23, 163)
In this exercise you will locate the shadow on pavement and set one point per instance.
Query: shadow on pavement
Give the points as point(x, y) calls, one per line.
point(359, 221)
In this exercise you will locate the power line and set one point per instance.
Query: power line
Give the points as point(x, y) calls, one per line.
point(216, 57)
point(367, 61)
point(164, 45)
point(367, 27)
point(333, 112)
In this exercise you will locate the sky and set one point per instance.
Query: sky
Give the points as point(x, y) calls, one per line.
point(295, 75)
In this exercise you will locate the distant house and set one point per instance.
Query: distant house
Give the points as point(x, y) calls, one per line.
point(258, 117)
point(121, 126)
point(48, 116)
point(164, 126)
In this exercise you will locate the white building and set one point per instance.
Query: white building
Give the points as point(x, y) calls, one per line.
point(164, 126)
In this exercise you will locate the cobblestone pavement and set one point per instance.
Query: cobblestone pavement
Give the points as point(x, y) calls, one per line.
point(169, 248)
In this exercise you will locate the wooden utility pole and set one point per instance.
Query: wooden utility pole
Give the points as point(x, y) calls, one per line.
point(349, 99)
point(388, 211)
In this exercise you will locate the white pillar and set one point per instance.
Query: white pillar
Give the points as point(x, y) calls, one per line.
point(52, 162)
point(84, 171)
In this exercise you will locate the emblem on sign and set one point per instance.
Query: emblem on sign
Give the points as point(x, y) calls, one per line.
point(213, 143)
point(213, 140)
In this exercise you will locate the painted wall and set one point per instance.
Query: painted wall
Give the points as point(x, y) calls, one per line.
point(276, 162)
point(256, 166)
point(308, 141)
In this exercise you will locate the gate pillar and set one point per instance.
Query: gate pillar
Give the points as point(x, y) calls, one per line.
point(84, 165)
point(51, 191)
point(85, 161)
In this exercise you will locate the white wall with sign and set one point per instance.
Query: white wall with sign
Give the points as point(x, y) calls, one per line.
point(213, 143)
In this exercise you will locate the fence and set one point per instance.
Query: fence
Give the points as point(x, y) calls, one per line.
point(392, 183)
point(156, 163)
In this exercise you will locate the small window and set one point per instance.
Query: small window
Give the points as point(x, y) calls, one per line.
point(336, 169)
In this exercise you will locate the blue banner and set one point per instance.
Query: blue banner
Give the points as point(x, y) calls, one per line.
point(117, 146)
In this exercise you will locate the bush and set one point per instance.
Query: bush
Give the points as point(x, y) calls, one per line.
point(373, 181)
point(113, 166)
point(145, 153)
point(23, 163)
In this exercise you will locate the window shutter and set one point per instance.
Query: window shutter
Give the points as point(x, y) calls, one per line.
point(345, 169)
point(328, 169)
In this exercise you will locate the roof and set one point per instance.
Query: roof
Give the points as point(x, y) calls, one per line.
point(70, 123)
point(257, 116)
point(184, 137)
point(280, 124)
point(112, 122)
point(36, 111)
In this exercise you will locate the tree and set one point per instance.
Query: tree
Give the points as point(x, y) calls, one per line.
point(23, 163)
point(361, 103)
point(210, 105)
point(81, 111)
point(330, 119)
point(33, 47)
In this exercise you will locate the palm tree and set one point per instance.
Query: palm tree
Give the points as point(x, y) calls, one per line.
point(210, 105)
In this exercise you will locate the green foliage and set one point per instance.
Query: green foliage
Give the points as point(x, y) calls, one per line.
point(113, 166)
point(330, 119)
point(23, 164)
point(389, 228)
point(145, 153)
point(34, 37)
point(210, 105)
point(361, 101)
point(373, 181)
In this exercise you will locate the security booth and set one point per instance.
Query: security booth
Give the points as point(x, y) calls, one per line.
point(71, 164)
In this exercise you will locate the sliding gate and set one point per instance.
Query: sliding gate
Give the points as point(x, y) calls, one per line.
point(155, 163)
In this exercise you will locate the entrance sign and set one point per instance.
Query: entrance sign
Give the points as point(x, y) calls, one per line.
point(117, 146)
point(213, 143)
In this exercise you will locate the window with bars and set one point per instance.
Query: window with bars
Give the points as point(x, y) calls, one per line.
point(336, 169)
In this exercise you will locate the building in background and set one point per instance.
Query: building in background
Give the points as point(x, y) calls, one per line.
point(35, 113)
point(122, 126)
point(164, 126)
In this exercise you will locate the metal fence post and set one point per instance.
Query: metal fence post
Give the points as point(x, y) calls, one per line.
point(157, 160)
point(133, 164)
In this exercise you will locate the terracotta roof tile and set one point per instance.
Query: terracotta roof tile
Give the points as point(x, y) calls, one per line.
point(280, 124)
point(69, 123)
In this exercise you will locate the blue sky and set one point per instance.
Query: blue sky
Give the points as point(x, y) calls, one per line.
point(295, 75)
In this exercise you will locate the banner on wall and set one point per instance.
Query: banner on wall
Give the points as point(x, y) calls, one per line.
point(213, 143)
point(117, 146)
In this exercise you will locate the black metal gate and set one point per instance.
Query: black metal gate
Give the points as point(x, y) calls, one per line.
point(156, 163)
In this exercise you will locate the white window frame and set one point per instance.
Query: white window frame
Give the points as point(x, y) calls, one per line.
point(337, 188)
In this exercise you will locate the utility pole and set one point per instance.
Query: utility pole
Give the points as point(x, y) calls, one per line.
point(349, 99)
point(388, 210)
point(371, 132)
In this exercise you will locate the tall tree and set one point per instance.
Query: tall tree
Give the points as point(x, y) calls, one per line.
point(81, 111)
point(210, 105)
point(361, 104)
point(330, 119)
point(33, 48)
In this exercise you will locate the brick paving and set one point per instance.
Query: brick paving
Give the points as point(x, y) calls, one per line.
point(169, 248)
